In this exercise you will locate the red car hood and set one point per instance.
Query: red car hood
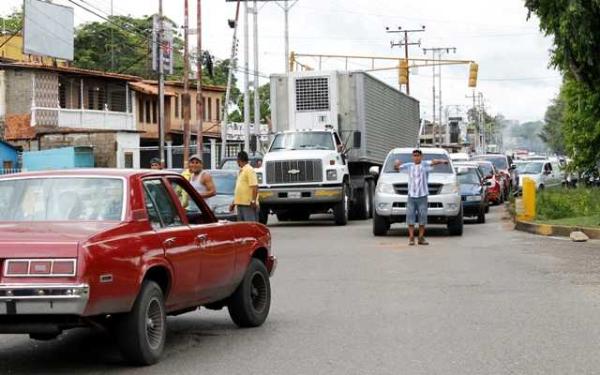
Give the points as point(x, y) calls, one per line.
point(43, 240)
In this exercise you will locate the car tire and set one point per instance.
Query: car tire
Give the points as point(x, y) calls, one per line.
point(371, 198)
point(381, 225)
point(141, 333)
point(340, 210)
point(263, 215)
point(481, 216)
point(456, 225)
point(487, 208)
point(250, 303)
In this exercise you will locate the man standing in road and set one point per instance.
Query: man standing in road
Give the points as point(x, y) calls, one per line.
point(246, 191)
point(418, 191)
point(200, 179)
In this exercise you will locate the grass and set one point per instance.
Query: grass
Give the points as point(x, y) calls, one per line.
point(577, 207)
point(581, 221)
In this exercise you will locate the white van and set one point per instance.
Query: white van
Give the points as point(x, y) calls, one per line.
point(544, 173)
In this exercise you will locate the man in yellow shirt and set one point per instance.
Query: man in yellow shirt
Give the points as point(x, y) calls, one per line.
point(245, 197)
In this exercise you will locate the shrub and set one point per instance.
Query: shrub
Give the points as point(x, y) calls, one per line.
point(563, 203)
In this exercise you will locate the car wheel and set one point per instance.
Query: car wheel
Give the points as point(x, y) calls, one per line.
point(263, 215)
point(481, 216)
point(141, 333)
point(371, 191)
point(340, 211)
point(250, 303)
point(455, 225)
point(381, 225)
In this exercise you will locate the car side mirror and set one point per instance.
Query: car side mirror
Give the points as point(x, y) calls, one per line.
point(513, 167)
point(357, 140)
point(488, 183)
point(374, 171)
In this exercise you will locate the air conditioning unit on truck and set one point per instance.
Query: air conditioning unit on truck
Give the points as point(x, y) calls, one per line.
point(331, 129)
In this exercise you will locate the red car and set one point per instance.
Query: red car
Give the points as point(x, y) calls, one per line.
point(506, 169)
point(123, 249)
point(495, 191)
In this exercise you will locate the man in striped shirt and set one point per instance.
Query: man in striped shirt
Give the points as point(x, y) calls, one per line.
point(416, 206)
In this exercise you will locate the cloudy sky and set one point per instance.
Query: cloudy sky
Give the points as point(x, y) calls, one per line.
point(512, 54)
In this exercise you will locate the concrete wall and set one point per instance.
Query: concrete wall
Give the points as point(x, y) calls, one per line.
point(18, 88)
point(128, 143)
point(104, 144)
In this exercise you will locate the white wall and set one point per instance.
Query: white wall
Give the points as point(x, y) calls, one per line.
point(128, 142)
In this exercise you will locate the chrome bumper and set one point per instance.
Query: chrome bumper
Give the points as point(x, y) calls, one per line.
point(42, 299)
point(295, 195)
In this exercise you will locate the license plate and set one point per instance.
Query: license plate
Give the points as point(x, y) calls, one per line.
point(295, 195)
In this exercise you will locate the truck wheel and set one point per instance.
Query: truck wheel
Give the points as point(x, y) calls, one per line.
point(371, 193)
point(455, 225)
point(250, 303)
point(340, 211)
point(381, 225)
point(141, 333)
point(263, 215)
point(363, 204)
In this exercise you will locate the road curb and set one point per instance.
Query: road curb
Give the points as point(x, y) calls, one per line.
point(555, 230)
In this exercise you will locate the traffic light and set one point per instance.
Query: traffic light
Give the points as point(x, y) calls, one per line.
point(473, 68)
point(403, 72)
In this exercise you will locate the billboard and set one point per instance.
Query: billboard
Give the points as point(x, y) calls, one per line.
point(166, 49)
point(48, 29)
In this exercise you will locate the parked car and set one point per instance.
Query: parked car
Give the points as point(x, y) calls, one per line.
point(459, 157)
point(224, 180)
point(230, 163)
point(123, 249)
point(495, 189)
point(505, 166)
point(391, 195)
point(473, 191)
point(544, 173)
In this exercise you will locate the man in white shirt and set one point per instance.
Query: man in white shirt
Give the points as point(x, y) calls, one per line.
point(418, 191)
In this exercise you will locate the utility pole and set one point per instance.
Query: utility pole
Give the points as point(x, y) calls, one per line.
point(246, 80)
point(161, 85)
point(437, 53)
point(405, 43)
point(112, 41)
point(475, 117)
point(232, 61)
point(199, 99)
point(256, 83)
point(482, 123)
point(185, 102)
point(286, 14)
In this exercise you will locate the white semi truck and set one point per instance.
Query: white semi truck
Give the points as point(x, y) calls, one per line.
point(333, 131)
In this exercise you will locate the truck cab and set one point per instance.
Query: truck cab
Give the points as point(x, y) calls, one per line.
point(305, 172)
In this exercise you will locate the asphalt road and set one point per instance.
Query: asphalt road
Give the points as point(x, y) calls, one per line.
point(494, 301)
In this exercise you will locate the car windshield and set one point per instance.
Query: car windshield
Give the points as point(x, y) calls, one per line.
point(407, 158)
point(487, 169)
point(224, 183)
point(303, 141)
point(469, 178)
point(61, 199)
point(530, 168)
point(498, 161)
point(230, 164)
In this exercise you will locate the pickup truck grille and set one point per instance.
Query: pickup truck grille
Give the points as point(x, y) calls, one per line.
point(402, 189)
point(290, 171)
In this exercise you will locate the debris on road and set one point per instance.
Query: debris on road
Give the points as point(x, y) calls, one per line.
point(578, 236)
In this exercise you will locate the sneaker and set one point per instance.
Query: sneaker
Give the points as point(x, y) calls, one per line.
point(423, 241)
point(411, 242)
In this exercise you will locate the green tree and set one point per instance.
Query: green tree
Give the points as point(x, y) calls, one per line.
point(264, 95)
point(575, 28)
point(552, 133)
point(12, 22)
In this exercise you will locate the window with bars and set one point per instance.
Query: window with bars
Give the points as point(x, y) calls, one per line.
point(312, 94)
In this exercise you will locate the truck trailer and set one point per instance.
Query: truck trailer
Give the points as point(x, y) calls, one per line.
point(333, 131)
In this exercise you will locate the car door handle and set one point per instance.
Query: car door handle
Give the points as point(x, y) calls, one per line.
point(201, 239)
point(169, 242)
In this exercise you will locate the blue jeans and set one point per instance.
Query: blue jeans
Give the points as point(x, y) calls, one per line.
point(416, 208)
point(246, 213)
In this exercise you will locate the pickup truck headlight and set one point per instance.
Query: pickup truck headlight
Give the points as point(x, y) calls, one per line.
point(449, 189)
point(332, 175)
point(259, 177)
point(385, 188)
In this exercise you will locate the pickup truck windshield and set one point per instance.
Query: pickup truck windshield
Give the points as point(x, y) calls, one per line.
point(407, 158)
point(303, 141)
point(61, 199)
point(530, 168)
